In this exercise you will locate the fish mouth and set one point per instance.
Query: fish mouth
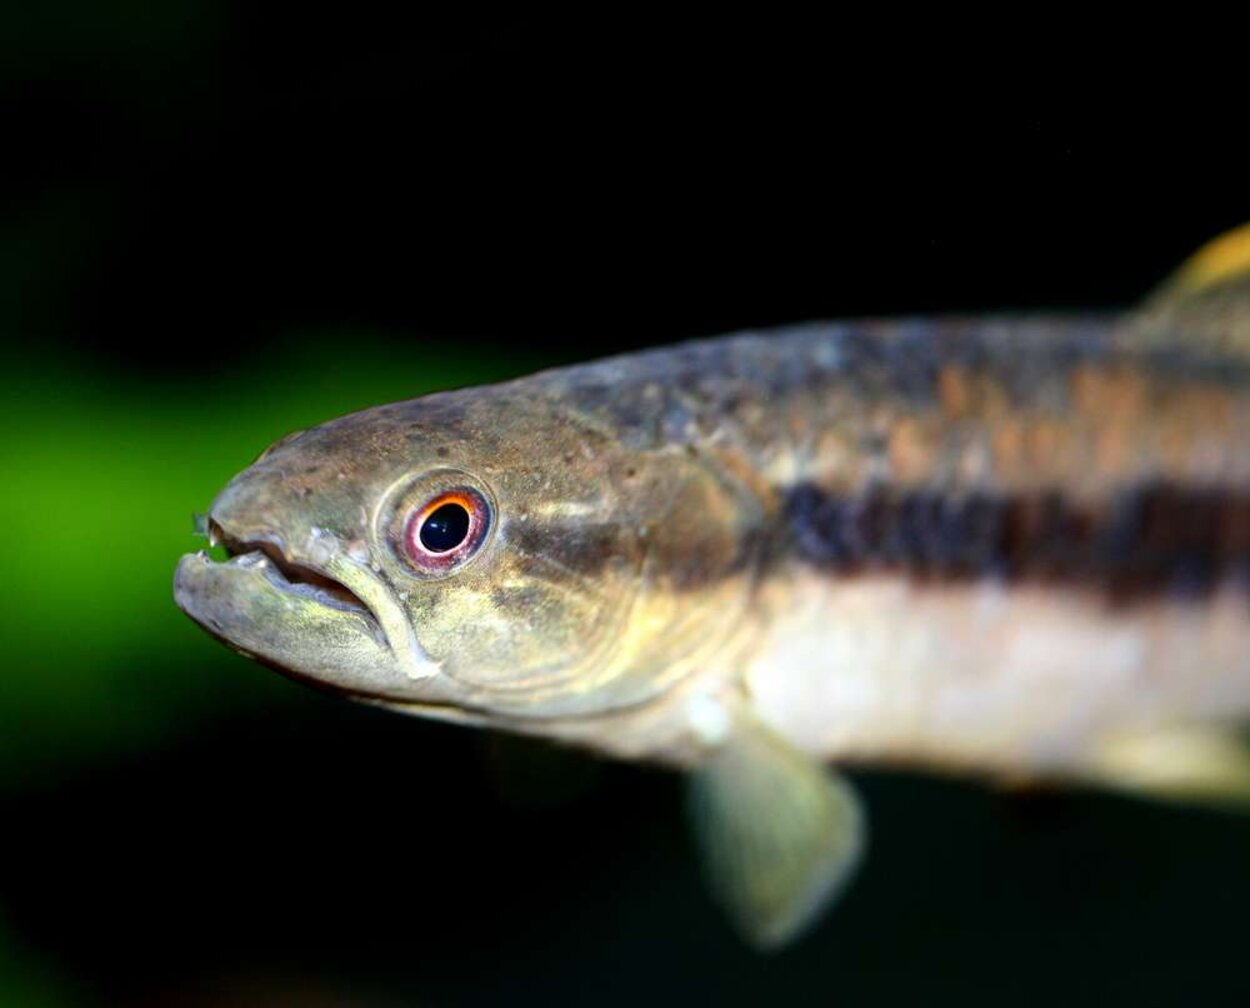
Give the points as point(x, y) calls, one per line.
point(331, 620)
point(288, 575)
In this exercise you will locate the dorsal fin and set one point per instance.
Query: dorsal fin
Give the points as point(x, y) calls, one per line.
point(1221, 261)
point(1204, 305)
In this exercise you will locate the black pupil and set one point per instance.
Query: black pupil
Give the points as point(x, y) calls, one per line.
point(445, 529)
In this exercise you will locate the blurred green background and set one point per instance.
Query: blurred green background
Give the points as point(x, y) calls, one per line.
point(222, 222)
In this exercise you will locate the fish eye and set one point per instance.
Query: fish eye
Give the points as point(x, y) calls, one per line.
point(446, 530)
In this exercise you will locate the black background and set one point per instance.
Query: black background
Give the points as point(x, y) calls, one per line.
point(192, 183)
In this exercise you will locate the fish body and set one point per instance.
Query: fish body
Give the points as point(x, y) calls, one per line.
point(1013, 546)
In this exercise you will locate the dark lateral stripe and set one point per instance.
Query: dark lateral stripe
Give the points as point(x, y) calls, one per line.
point(1150, 539)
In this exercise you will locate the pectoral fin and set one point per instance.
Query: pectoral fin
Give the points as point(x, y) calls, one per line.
point(780, 834)
point(1181, 763)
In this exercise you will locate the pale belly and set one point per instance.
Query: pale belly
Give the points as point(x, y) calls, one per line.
point(979, 676)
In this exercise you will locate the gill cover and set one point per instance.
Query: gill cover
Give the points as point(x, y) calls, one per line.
point(601, 576)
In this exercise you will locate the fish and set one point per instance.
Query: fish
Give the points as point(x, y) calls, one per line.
point(1013, 547)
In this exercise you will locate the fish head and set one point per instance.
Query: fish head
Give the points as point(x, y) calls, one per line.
point(481, 552)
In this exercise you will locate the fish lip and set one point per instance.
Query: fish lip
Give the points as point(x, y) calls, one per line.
point(336, 580)
point(299, 577)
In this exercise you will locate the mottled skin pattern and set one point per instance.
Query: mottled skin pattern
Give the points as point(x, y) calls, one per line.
point(863, 531)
